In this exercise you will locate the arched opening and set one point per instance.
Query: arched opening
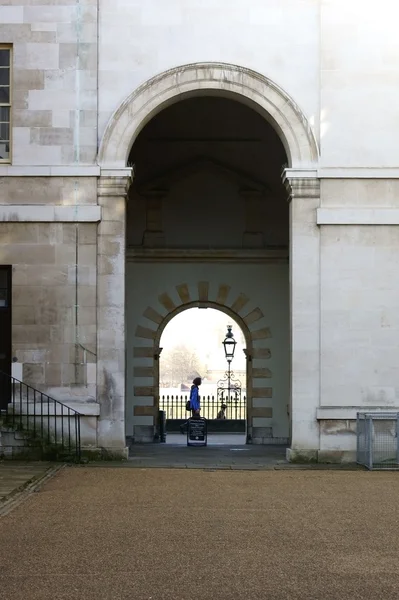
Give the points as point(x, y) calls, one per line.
point(191, 346)
point(207, 221)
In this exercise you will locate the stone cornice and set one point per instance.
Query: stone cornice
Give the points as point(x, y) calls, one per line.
point(113, 186)
point(302, 188)
point(45, 213)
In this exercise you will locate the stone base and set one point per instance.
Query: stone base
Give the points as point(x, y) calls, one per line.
point(269, 441)
point(297, 455)
point(108, 453)
point(143, 434)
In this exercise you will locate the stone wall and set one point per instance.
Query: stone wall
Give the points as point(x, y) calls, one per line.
point(54, 304)
point(359, 292)
point(54, 80)
point(54, 280)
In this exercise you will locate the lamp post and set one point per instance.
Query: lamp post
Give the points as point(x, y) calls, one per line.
point(229, 387)
point(229, 344)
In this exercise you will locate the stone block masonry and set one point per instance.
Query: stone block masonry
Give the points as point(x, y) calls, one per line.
point(54, 304)
point(54, 96)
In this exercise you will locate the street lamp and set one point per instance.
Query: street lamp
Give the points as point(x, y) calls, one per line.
point(229, 344)
point(229, 387)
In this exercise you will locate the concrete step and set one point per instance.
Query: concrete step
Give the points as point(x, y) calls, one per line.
point(8, 439)
point(22, 435)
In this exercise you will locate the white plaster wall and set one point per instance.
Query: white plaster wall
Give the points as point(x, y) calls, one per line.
point(359, 315)
point(141, 39)
point(359, 82)
point(265, 285)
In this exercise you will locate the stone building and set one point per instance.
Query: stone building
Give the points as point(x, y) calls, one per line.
point(156, 156)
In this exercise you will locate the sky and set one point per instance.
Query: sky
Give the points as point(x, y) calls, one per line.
point(204, 330)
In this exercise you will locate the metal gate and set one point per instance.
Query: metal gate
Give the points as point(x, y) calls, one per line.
point(377, 440)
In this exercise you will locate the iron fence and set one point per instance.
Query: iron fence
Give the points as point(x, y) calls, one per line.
point(377, 440)
point(49, 425)
point(175, 407)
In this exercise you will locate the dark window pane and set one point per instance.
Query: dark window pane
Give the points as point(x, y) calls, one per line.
point(4, 58)
point(4, 131)
point(3, 278)
point(3, 298)
point(4, 95)
point(4, 76)
point(4, 150)
point(3, 288)
point(4, 114)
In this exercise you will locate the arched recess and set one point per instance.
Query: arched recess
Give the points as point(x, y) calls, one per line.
point(233, 81)
point(259, 397)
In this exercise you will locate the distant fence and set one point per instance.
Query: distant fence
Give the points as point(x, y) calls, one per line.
point(175, 407)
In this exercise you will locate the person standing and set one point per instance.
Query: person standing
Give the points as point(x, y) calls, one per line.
point(195, 403)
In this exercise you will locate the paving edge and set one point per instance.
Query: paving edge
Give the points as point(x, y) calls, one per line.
point(221, 467)
point(21, 493)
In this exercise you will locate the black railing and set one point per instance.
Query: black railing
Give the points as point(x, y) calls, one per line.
point(175, 407)
point(49, 424)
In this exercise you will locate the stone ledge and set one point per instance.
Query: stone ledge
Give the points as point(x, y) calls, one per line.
point(49, 171)
point(357, 216)
point(344, 413)
point(41, 213)
point(358, 173)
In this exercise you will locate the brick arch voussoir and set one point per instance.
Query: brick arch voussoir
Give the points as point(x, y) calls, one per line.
point(168, 307)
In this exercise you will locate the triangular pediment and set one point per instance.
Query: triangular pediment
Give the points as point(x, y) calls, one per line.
point(162, 182)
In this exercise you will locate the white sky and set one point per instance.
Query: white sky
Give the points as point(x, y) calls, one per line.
point(204, 330)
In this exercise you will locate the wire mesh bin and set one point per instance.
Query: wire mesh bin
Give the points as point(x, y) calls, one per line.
point(377, 440)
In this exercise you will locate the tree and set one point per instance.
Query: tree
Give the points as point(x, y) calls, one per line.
point(179, 364)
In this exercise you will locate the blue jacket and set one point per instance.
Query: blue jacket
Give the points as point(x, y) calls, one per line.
point(194, 398)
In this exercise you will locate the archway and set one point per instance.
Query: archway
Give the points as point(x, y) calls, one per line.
point(208, 198)
point(288, 124)
point(146, 351)
point(191, 345)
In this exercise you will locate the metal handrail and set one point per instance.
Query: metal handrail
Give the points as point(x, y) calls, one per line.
point(48, 422)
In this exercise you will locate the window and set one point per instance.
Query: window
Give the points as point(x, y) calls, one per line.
point(5, 103)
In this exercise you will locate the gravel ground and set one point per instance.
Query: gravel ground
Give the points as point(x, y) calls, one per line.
point(137, 534)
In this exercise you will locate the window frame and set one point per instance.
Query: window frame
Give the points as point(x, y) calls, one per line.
point(8, 47)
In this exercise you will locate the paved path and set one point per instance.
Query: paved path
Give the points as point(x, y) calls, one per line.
point(222, 452)
point(149, 534)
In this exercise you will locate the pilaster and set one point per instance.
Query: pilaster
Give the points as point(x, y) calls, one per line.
point(304, 198)
point(112, 196)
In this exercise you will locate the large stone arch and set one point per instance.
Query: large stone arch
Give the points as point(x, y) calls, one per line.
point(245, 85)
point(146, 350)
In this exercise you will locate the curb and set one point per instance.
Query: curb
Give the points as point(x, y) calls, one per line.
point(18, 495)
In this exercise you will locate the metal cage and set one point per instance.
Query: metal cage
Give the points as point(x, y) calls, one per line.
point(377, 440)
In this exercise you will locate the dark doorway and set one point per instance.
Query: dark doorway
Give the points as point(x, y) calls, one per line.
point(5, 335)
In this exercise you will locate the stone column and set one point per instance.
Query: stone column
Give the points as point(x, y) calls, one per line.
point(304, 195)
point(112, 196)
